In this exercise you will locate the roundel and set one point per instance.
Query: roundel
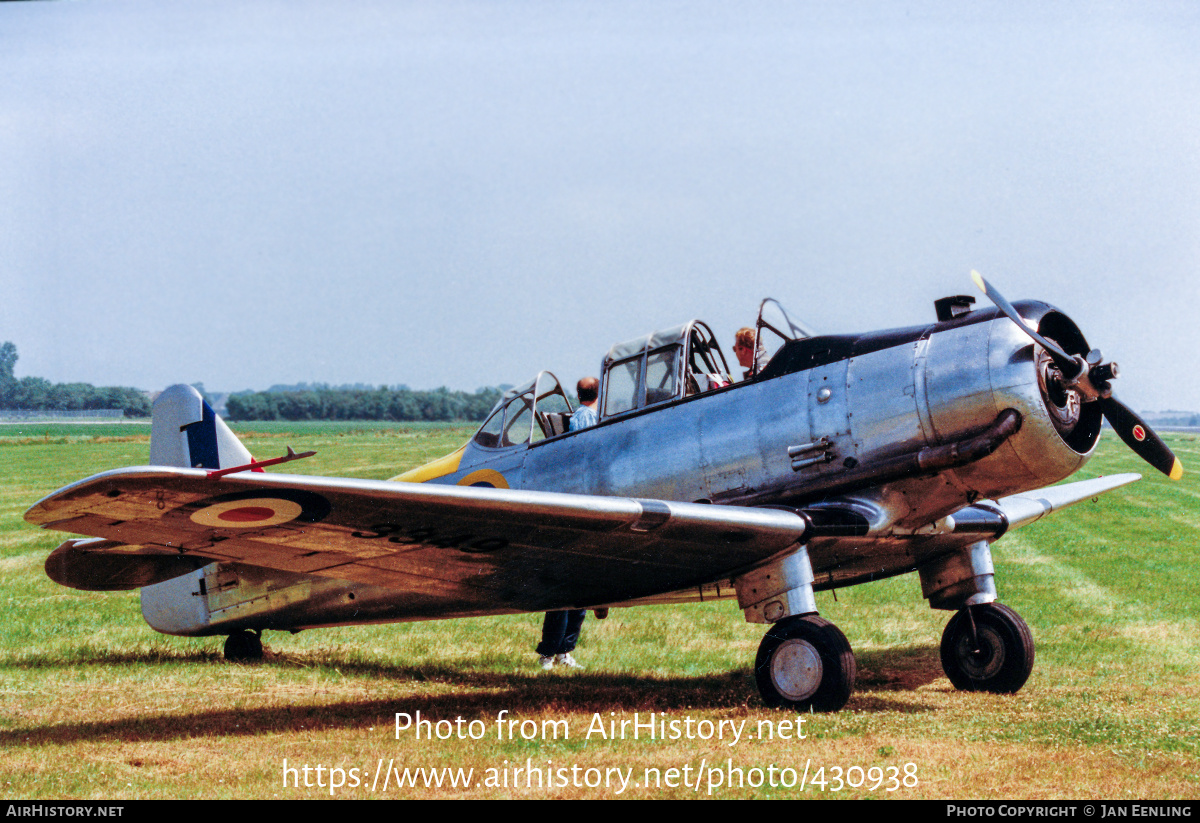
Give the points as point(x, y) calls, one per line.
point(253, 511)
point(1139, 434)
point(486, 478)
point(259, 508)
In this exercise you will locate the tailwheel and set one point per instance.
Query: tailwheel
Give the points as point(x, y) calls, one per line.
point(805, 663)
point(987, 648)
point(243, 647)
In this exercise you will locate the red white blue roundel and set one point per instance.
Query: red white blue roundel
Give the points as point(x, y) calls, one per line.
point(253, 511)
point(258, 509)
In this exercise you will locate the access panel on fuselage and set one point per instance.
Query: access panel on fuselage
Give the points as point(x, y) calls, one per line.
point(881, 398)
point(827, 416)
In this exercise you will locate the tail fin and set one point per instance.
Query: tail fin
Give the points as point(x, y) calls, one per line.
point(186, 432)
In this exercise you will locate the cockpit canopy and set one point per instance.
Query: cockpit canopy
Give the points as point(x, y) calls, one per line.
point(527, 414)
point(640, 373)
point(662, 366)
point(775, 327)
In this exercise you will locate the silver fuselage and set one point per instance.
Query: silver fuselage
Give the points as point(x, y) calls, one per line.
point(807, 432)
point(731, 446)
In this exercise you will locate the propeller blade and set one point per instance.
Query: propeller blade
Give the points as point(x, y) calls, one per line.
point(1094, 386)
point(1140, 437)
point(1065, 362)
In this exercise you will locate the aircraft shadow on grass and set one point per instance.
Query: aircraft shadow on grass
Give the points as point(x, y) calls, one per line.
point(520, 693)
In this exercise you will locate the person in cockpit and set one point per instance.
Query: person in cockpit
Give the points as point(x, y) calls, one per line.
point(745, 348)
point(588, 390)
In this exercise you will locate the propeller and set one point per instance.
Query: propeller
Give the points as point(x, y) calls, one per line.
point(1089, 377)
point(1140, 437)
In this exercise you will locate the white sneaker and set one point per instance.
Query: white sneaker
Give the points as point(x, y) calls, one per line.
point(546, 662)
point(565, 659)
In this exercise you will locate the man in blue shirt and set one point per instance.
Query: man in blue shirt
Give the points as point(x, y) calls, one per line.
point(588, 390)
point(560, 630)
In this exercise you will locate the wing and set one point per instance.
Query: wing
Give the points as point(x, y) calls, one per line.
point(1017, 510)
point(491, 549)
point(860, 556)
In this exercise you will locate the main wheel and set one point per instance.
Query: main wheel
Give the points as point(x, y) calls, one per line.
point(996, 657)
point(243, 647)
point(805, 663)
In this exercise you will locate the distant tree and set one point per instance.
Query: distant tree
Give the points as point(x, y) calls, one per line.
point(37, 393)
point(481, 402)
point(402, 405)
point(27, 393)
point(8, 359)
point(135, 403)
point(8, 383)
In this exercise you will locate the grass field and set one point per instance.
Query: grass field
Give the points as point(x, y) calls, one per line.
point(95, 704)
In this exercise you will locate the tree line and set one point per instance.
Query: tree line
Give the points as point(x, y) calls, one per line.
point(383, 403)
point(39, 394)
point(300, 402)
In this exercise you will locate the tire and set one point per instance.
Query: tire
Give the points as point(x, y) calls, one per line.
point(243, 647)
point(1004, 659)
point(806, 664)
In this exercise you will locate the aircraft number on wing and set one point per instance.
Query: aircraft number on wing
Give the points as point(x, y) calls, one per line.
point(463, 541)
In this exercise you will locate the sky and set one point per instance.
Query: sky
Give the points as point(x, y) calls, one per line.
point(465, 193)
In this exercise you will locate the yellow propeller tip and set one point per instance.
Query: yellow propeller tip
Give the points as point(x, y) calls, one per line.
point(1176, 470)
point(978, 278)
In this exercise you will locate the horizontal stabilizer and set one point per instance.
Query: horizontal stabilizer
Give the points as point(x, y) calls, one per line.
point(107, 566)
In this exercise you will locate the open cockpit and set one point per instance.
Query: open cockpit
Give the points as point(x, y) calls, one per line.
point(645, 372)
point(527, 414)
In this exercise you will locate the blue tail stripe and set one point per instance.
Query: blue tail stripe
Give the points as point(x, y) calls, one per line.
point(202, 441)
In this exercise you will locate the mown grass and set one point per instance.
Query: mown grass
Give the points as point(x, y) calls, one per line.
point(94, 704)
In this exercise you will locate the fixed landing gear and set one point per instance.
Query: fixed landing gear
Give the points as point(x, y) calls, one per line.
point(987, 648)
point(244, 647)
point(805, 663)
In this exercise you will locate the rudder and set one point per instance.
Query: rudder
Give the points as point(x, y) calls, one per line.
point(186, 432)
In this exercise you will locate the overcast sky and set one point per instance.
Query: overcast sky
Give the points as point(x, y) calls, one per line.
point(463, 193)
